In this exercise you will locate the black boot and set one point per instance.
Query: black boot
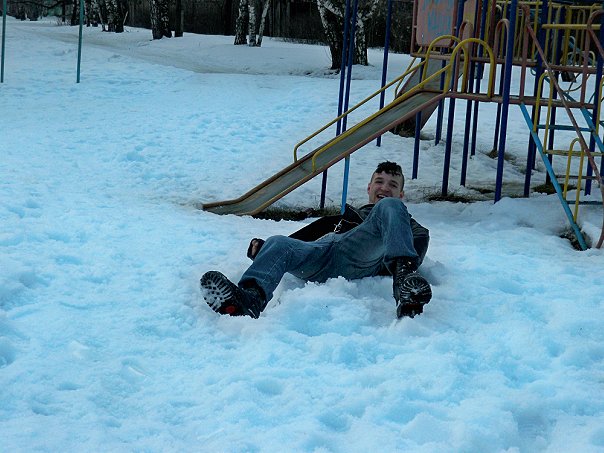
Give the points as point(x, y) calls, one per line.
point(226, 298)
point(411, 291)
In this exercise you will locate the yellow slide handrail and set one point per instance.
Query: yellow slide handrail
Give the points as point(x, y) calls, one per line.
point(417, 88)
point(370, 118)
point(409, 70)
point(446, 69)
point(398, 80)
point(352, 109)
point(425, 80)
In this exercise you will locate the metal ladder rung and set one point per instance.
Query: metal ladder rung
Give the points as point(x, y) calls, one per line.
point(590, 178)
point(565, 152)
point(563, 128)
point(591, 202)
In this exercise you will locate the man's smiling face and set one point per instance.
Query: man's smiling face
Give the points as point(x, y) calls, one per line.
point(385, 185)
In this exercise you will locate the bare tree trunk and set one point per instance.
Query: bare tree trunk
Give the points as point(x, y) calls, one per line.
point(332, 14)
point(180, 20)
point(116, 13)
point(248, 16)
point(360, 45)
point(102, 9)
point(109, 4)
point(333, 27)
point(262, 22)
point(92, 13)
point(251, 29)
point(95, 13)
point(160, 19)
point(75, 12)
point(240, 37)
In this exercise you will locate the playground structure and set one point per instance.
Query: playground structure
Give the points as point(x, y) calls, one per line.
point(550, 41)
point(468, 56)
point(466, 51)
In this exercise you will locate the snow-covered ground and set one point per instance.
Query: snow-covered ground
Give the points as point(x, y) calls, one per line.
point(106, 344)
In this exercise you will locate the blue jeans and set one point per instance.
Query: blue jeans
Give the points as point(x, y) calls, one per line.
point(361, 252)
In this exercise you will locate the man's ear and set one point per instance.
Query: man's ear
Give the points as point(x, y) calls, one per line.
point(368, 186)
point(402, 194)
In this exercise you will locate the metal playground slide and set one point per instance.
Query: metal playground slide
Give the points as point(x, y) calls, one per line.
point(315, 162)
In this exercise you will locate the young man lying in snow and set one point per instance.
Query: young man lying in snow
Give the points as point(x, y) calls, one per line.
point(379, 238)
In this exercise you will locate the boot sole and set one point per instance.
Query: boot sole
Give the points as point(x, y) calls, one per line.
point(418, 295)
point(218, 293)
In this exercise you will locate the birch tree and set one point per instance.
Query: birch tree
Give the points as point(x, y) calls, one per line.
point(262, 22)
point(116, 15)
point(160, 19)
point(93, 13)
point(75, 12)
point(332, 13)
point(251, 27)
point(247, 30)
point(240, 23)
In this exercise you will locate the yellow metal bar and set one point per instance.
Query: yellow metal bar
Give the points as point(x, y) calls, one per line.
point(335, 120)
point(447, 70)
point(569, 26)
point(566, 41)
point(438, 39)
point(538, 104)
point(548, 33)
point(398, 100)
point(564, 152)
point(570, 153)
point(578, 195)
point(407, 71)
point(398, 80)
point(462, 45)
point(448, 75)
point(548, 115)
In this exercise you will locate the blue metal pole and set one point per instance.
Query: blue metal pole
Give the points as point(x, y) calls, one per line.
point(441, 110)
point(416, 141)
point(340, 93)
point(416, 145)
point(592, 143)
point(385, 62)
point(449, 144)
point(353, 27)
point(483, 21)
point(347, 98)
point(506, 99)
point(550, 171)
point(531, 157)
point(468, 126)
point(471, 114)
point(80, 39)
point(343, 64)
point(498, 115)
point(3, 39)
point(466, 141)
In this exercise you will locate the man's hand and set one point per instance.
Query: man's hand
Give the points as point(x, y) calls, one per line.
point(254, 247)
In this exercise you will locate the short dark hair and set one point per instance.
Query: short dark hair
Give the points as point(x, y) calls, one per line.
point(391, 168)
